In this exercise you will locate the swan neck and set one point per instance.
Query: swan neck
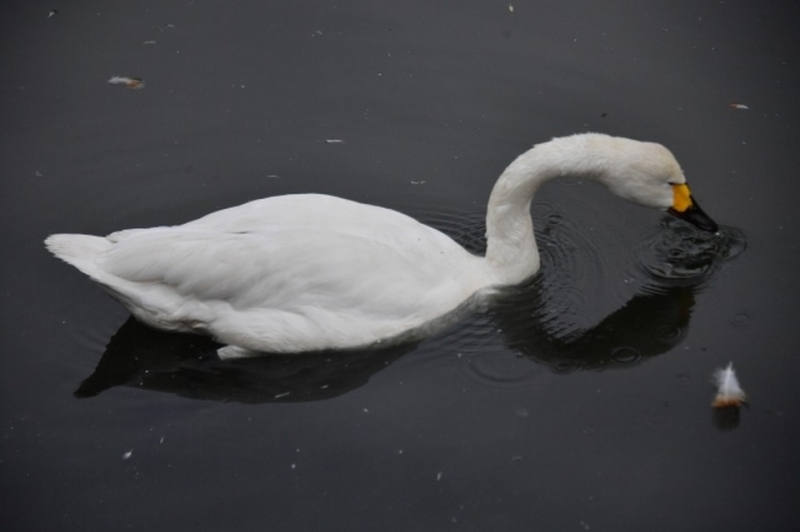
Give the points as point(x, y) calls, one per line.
point(512, 255)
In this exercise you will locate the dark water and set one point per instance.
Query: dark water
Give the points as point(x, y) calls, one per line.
point(579, 401)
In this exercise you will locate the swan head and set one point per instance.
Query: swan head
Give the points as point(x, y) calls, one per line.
point(650, 175)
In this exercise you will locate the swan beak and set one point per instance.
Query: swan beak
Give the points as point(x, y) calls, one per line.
point(686, 208)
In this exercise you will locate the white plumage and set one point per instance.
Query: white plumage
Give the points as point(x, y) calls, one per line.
point(729, 393)
point(309, 272)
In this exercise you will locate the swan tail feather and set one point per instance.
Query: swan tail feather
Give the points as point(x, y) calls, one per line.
point(80, 251)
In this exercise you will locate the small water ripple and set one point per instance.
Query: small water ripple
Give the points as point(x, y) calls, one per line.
point(501, 371)
point(554, 303)
point(571, 266)
point(468, 228)
point(676, 252)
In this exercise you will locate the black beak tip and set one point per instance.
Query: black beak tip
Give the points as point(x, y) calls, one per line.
point(695, 216)
point(711, 226)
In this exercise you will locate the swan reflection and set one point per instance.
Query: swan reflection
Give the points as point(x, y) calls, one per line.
point(188, 366)
point(649, 324)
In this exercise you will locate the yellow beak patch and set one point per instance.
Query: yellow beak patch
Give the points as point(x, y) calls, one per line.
point(681, 197)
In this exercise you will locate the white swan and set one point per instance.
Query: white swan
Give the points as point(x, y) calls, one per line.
point(309, 272)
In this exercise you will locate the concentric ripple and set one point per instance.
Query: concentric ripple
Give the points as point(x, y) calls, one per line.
point(677, 252)
point(526, 318)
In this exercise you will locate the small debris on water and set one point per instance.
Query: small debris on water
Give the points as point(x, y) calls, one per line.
point(149, 42)
point(739, 106)
point(334, 141)
point(438, 476)
point(729, 392)
point(417, 182)
point(511, 8)
point(131, 83)
point(127, 455)
point(280, 395)
point(52, 13)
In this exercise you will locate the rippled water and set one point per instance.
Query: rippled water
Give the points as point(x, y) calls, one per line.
point(578, 400)
point(676, 252)
point(545, 318)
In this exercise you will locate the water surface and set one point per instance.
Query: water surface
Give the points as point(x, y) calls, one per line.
point(578, 401)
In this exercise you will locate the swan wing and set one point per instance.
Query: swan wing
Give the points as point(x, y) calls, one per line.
point(263, 289)
point(283, 274)
point(268, 268)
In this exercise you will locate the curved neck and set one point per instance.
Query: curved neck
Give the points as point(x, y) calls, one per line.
point(511, 252)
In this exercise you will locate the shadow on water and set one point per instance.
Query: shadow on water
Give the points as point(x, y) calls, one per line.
point(653, 321)
point(188, 366)
point(726, 418)
point(649, 324)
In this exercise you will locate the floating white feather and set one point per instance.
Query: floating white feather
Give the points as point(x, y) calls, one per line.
point(729, 393)
point(131, 83)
